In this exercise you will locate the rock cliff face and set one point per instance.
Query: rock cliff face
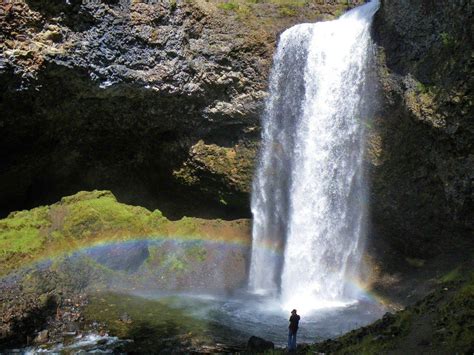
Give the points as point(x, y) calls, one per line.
point(157, 100)
point(422, 139)
point(114, 94)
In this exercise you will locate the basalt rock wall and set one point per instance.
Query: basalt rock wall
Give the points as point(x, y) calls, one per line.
point(158, 101)
point(421, 143)
point(116, 94)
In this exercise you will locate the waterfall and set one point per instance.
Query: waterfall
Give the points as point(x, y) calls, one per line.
point(309, 193)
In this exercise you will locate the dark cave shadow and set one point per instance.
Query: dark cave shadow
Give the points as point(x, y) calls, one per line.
point(41, 169)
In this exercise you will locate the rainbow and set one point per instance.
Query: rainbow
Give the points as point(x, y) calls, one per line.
point(362, 289)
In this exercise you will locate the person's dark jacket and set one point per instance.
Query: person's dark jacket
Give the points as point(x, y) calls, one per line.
point(294, 320)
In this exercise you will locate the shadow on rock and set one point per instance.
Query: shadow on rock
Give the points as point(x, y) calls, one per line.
point(28, 328)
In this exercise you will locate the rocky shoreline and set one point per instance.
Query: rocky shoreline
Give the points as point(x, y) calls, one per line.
point(49, 320)
point(38, 315)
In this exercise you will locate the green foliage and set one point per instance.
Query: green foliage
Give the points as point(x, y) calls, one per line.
point(424, 88)
point(420, 87)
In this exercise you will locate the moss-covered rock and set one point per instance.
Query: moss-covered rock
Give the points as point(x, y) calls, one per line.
point(87, 218)
point(222, 173)
point(442, 322)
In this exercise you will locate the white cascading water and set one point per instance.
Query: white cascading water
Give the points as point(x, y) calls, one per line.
point(309, 194)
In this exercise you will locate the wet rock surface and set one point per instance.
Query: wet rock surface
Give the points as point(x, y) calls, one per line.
point(38, 308)
point(74, 300)
point(127, 257)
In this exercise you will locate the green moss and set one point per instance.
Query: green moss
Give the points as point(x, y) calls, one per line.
point(292, 3)
point(87, 217)
point(186, 226)
point(338, 12)
point(104, 213)
point(21, 232)
point(173, 5)
point(453, 275)
point(176, 264)
point(222, 173)
point(425, 88)
point(228, 6)
point(82, 216)
point(421, 87)
point(377, 338)
point(155, 256)
point(369, 345)
point(287, 11)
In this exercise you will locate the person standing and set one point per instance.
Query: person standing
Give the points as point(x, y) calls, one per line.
point(292, 329)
